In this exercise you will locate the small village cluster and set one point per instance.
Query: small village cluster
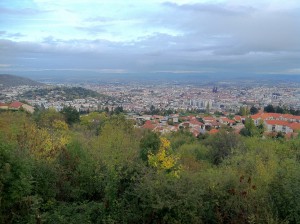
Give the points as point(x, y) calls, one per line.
point(273, 123)
point(16, 105)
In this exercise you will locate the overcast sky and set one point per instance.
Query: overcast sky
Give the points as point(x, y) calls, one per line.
point(150, 36)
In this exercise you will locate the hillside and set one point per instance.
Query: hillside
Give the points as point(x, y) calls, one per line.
point(66, 93)
point(13, 80)
point(59, 167)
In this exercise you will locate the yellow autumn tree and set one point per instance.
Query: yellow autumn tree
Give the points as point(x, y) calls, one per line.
point(43, 142)
point(164, 160)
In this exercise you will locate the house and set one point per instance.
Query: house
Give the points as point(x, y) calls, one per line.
point(148, 125)
point(295, 126)
point(256, 118)
point(175, 118)
point(28, 108)
point(211, 122)
point(227, 121)
point(16, 105)
point(281, 126)
point(3, 106)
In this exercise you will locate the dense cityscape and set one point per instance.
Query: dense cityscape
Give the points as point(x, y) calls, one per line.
point(167, 107)
point(139, 98)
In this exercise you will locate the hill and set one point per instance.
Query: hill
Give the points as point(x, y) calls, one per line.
point(13, 80)
point(66, 93)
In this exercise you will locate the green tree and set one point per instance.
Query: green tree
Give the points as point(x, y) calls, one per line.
point(71, 115)
point(150, 143)
point(94, 120)
point(118, 110)
point(269, 109)
point(222, 145)
point(46, 117)
point(17, 204)
point(253, 110)
point(244, 111)
point(251, 130)
point(279, 110)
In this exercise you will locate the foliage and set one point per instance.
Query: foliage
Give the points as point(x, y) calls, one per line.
point(222, 145)
point(269, 109)
point(51, 172)
point(150, 143)
point(164, 159)
point(68, 93)
point(93, 121)
point(251, 130)
point(71, 115)
point(253, 110)
point(15, 185)
point(244, 111)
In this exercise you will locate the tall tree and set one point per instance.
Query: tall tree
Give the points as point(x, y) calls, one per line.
point(71, 115)
point(253, 110)
point(269, 109)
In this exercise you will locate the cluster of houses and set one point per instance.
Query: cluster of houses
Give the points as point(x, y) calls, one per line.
point(273, 122)
point(16, 105)
point(195, 124)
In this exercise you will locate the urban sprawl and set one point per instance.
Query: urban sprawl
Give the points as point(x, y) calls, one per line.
point(200, 109)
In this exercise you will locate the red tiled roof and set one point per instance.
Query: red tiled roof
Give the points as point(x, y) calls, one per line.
point(148, 125)
point(16, 104)
point(196, 122)
point(238, 118)
point(192, 117)
point(295, 126)
point(3, 104)
point(297, 117)
point(256, 116)
point(276, 116)
point(213, 131)
point(288, 116)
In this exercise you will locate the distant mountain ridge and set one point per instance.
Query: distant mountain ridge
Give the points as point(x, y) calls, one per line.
point(13, 80)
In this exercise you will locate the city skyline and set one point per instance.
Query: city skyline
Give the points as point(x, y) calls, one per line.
point(211, 38)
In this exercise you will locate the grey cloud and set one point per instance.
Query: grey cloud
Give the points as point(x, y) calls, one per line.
point(24, 11)
point(241, 30)
point(15, 35)
point(220, 9)
point(214, 52)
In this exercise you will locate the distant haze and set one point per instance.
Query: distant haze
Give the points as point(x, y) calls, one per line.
point(144, 38)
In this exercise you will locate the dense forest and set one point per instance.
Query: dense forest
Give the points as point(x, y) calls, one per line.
point(98, 168)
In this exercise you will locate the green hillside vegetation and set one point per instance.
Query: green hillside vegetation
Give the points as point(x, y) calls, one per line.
point(66, 93)
point(12, 80)
point(100, 169)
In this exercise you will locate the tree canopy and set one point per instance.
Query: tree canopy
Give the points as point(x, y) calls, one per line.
point(105, 170)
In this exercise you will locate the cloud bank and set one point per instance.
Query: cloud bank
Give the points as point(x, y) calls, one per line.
point(145, 37)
